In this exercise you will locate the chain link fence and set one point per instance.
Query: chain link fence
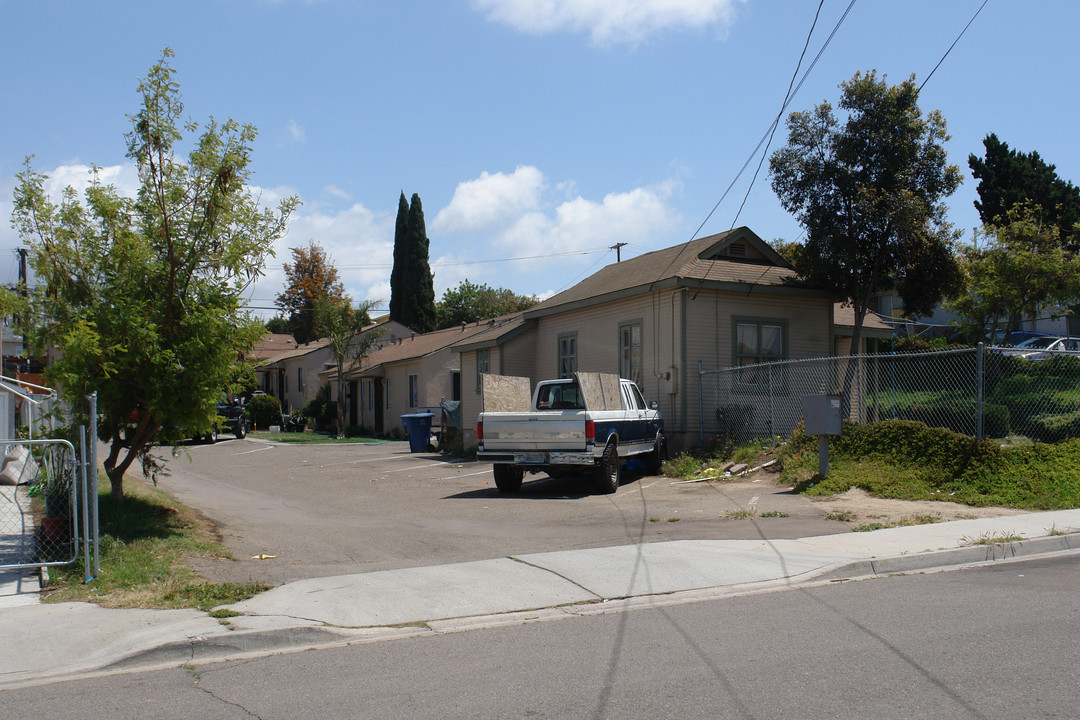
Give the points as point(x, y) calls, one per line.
point(981, 392)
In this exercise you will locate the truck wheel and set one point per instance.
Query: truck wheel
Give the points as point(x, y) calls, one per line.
point(211, 437)
point(241, 431)
point(655, 460)
point(607, 472)
point(508, 478)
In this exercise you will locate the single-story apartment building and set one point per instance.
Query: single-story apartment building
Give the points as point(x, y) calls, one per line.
point(725, 300)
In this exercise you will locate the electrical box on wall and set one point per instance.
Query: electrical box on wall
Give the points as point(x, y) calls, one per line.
point(669, 381)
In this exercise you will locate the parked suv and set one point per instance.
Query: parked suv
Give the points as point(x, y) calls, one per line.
point(232, 416)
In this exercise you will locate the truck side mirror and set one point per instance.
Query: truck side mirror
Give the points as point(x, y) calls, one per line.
point(654, 405)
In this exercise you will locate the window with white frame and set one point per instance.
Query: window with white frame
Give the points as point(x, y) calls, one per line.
point(567, 355)
point(630, 351)
point(757, 342)
point(414, 391)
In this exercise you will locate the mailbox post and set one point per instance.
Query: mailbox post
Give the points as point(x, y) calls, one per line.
point(821, 416)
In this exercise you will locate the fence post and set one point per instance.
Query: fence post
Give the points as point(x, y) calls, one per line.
point(85, 505)
point(772, 412)
point(95, 528)
point(701, 406)
point(979, 355)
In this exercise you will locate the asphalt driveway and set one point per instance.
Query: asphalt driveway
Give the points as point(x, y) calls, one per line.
point(324, 510)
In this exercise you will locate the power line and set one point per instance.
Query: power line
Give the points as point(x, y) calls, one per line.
point(455, 263)
point(953, 44)
point(772, 126)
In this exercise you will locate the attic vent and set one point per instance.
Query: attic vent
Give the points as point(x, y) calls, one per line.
point(737, 249)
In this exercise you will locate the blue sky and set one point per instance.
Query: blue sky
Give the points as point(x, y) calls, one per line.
point(538, 133)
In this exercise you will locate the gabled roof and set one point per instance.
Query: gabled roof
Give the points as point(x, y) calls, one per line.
point(298, 351)
point(273, 345)
point(737, 259)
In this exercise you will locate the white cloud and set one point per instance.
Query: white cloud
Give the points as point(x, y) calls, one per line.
point(335, 191)
point(296, 132)
point(490, 199)
point(635, 216)
point(359, 241)
point(610, 21)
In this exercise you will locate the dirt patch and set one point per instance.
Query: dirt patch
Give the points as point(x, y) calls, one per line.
point(863, 508)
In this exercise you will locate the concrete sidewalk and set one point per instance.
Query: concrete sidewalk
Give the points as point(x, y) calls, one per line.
point(44, 643)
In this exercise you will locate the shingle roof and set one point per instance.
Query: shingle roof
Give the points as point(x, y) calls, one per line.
point(709, 260)
point(418, 346)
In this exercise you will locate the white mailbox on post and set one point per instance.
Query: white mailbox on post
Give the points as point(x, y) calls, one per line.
point(822, 417)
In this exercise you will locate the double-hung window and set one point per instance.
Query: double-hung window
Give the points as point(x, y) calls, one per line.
point(757, 342)
point(414, 391)
point(567, 355)
point(483, 365)
point(630, 351)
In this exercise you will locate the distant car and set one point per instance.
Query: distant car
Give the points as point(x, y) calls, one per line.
point(1040, 348)
point(1015, 339)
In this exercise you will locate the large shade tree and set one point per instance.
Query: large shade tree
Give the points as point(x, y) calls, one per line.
point(868, 189)
point(142, 296)
point(1022, 269)
point(1008, 178)
point(469, 302)
point(310, 277)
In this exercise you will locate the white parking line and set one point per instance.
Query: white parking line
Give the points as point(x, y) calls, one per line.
point(258, 449)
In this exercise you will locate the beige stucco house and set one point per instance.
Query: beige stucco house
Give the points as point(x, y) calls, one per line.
point(293, 375)
point(413, 373)
point(724, 300)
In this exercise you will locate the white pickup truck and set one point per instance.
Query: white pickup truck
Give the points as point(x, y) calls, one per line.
point(588, 423)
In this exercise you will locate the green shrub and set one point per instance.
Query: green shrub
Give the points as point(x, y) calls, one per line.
point(265, 410)
point(321, 410)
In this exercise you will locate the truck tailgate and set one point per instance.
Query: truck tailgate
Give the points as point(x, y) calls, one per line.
point(534, 431)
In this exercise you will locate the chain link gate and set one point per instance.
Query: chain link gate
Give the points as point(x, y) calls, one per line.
point(982, 392)
point(48, 502)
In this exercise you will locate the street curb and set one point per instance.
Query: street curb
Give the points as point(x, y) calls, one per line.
point(957, 556)
point(233, 644)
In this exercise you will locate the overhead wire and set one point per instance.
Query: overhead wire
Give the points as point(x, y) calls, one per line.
point(927, 79)
point(772, 126)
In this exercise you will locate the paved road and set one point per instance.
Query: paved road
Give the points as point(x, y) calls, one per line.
point(339, 509)
point(982, 642)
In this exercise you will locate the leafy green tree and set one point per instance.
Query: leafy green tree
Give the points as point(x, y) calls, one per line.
point(277, 325)
point(1023, 269)
point(142, 296)
point(469, 302)
point(348, 341)
point(412, 289)
point(310, 277)
point(868, 191)
point(1008, 178)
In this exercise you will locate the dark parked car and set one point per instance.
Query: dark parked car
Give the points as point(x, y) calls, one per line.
point(232, 416)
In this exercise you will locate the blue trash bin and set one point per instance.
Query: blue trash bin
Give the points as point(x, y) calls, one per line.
point(418, 428)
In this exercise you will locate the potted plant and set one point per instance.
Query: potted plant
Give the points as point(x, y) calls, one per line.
point(53, 485)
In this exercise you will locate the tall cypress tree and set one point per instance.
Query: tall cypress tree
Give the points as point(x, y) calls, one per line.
point(398, 287)
point(412, 287)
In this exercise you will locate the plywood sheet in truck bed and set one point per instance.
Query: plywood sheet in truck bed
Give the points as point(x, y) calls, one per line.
point(601, 390)
point(504, 393)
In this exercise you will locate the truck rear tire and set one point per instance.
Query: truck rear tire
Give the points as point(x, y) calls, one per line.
point(507, 477)
point(607, 472)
